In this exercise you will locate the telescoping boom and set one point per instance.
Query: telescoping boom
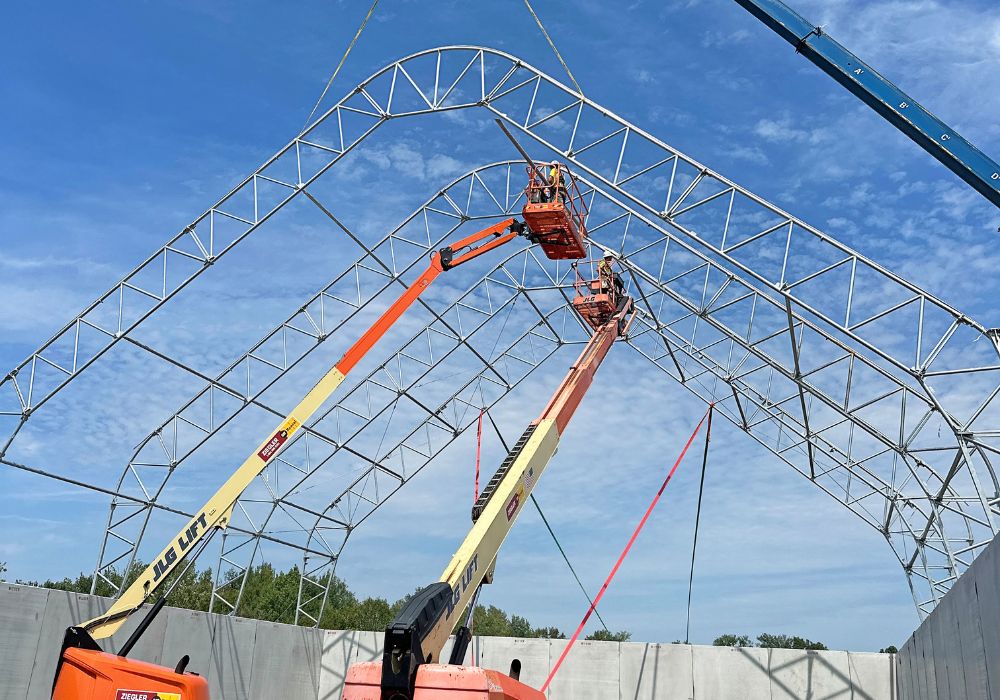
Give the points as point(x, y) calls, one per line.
point(555, 219)
point(84, 672)
point(217, 512)
point(410, 668)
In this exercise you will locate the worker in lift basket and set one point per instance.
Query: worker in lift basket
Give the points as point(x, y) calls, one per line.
point(609, 278)
point(556, 182)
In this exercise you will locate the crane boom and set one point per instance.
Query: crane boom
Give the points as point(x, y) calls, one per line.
point(926, 130)
point(217, 512)
point(417, 636)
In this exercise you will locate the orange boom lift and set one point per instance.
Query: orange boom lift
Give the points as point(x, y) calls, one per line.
point(410, 668)
point(84, 671)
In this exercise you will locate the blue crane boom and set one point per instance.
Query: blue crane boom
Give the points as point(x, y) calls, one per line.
point(906, 114)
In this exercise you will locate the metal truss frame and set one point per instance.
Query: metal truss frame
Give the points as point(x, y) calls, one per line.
point(870, 387)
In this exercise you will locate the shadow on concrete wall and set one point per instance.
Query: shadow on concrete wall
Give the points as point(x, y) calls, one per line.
point(682, 671)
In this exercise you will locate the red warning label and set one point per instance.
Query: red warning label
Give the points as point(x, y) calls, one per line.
point(514, 502)
point(278, 439)
point(145, 695)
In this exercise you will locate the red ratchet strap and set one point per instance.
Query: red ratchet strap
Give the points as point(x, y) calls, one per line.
point(479, 447)
point(624, 553)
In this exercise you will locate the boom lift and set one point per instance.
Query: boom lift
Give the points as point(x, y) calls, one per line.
point(84, 672)
point(410, 668)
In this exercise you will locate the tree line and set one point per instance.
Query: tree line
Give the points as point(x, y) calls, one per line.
point(271, 595)
point(768, 641)
point(779, 641)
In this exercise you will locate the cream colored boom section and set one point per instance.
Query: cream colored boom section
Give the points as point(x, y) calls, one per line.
point(473, 559)
point(215, 513)
point(476, 555)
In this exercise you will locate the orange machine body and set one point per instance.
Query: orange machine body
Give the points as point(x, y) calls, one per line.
point(96, 675)
point(440, 682)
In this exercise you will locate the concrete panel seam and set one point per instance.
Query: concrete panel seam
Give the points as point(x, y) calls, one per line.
point(34, 663)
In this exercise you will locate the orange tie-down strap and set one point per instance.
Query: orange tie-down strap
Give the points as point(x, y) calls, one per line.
point(621, 557)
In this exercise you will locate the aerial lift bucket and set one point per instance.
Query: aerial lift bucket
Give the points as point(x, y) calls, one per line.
point(597, 300)
point(556, 216)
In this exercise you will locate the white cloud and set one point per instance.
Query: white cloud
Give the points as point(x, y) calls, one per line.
point(717, 39)
point(751, 154)
point(443, 167)
point(783, 131)
point(643, 76)
point(898, 39)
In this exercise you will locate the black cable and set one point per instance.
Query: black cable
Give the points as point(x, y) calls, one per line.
point(566, 559)
point(697, 520)
point(549, 528)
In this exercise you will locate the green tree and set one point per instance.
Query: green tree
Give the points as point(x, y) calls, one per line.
point(372, 614)
point(548, 633)
point(340, 604)
point(608, 636)
point(491, 622)
point(732, 640)
point(193, 590)
point(520, 627)
point(270, 594)
point(784, 641)
point(891, 649)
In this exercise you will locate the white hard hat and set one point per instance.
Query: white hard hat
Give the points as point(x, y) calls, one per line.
point(608, 254)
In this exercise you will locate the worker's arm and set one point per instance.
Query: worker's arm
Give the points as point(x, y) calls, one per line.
point(218, 511)
point(420, 631)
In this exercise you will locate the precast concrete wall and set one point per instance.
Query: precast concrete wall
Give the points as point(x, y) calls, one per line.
point(955, 653)
point(262, 660)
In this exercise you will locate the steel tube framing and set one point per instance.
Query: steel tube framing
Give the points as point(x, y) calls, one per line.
point(857, 378)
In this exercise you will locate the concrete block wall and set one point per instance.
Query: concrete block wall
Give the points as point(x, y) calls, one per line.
point(955, 653)
point(262, 660)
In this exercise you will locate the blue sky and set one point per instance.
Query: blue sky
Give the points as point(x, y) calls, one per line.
point(125, 121)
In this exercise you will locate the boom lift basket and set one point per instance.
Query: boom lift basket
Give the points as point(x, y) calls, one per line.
point(598, 299)
point(556, 215)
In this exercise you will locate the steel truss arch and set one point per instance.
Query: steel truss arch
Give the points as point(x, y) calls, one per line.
point(849, 366)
